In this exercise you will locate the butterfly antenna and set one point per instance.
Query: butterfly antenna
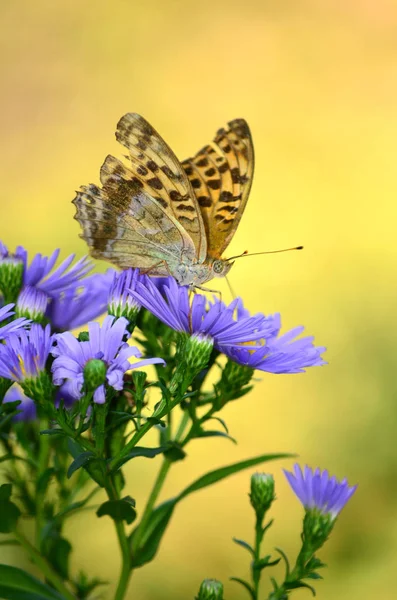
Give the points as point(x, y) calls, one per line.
point(230, 287)
point(246, 253)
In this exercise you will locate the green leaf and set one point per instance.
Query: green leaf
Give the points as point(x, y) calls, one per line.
point(153, 534)
point(286, 561)
point(215, 433)
point(246, 586)
point(5, 491)
point(161, 516)
point(223, 472)
point(57, 551)
point(9, 515)
point(118, 510)
point(174, 452)
point(16, 584)
point(44, 479)
point(80, 461)
point(314, 576)
point(245, 545)
point(139, 451)
point(94, 467)
point(52, 432)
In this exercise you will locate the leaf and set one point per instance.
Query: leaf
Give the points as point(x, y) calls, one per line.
point(57, 551)
point(153, 534)
point(16, 584)
point(118, 510)
point(294, 585)
point(284, 556)
point(9, 515)
point(95, 468)
point(223, 472)
point(80, 461)
point(139, 451)
point(215, 433)
point(174, 452)
point(52, 432)
point(5, 491)
point(244, 545)
point(245, 585)
point(221, 421)
point(314, 576)
point(161, 516)
point(44, 479)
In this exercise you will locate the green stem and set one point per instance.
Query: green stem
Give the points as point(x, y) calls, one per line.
point(126, 571)
point(44, 455)
point(154, 494)
point(44, 566)
point(256, 573)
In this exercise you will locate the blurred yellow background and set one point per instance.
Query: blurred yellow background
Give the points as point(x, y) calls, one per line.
point(317, 82)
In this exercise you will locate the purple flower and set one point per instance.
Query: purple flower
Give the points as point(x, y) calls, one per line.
point(80, 303)
point(120, 301)
point(171, 304)
point(319, 491)
point(32, 303)
point(248, 340)
point(105, 344)
point(38, 272)
point(283, 354)
point(6, 313)
point(27, 406)
point(25, 353)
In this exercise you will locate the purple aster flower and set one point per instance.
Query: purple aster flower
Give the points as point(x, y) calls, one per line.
point(25, 353)
point(283, 354)
point(320, 491)
point(248, 340)
point(6, 313)
point(38, 272)
point(80, 303)
point(32, 303)
point(171, 304)
point(120, 301)
point(27, 406)
point(105, 345)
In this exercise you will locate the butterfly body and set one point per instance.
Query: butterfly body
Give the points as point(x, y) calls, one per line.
point(166, 217)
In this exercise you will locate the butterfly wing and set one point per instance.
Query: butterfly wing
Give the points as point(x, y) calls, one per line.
point(122, 223)
point(161, 174)
point(221, 176)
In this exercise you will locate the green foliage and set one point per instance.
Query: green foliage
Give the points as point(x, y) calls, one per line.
point(16, 584)
point(9, 512)
point(119, 510)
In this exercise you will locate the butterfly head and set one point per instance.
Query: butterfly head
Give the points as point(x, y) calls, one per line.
point(220, 267)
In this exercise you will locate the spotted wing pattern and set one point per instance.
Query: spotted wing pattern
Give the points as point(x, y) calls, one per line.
point(161, 176)
point(221, 176)
point(125, 225)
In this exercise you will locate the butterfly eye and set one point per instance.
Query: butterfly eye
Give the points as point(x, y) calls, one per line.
point(218, 266)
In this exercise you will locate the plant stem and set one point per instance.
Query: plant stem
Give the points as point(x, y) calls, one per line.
point(44, 455)
point(44, 566)
point(154, 494)
point(256, 573)
point(126, 571)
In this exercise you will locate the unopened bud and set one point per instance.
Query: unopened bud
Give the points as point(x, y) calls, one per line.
point(198, 351)
point(32, 304)
point(262, 493)
point(210, 589)
point(11, 276)
point(94, 374)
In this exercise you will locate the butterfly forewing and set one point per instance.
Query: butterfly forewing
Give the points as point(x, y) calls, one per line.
point(221, 177)
point(155, 165)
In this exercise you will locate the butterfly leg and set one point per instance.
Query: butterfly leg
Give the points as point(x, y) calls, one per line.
point(204, 289)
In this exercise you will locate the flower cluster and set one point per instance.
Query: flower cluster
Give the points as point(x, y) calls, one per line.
point(252, 341)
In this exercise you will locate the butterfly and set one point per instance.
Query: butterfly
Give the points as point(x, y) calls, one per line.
point(163, 216)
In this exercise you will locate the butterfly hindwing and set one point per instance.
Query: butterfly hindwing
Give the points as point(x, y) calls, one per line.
point(157, 168)
point(221, 177)
point(124, 224)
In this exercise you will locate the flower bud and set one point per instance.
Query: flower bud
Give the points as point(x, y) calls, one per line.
point(262, 493)
point(198, 351)
point(94, 374)
point(32, 304)
point(210, 589)
point(39, 388)
point(120, 302)
point(316, 528)
point(11, 276)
